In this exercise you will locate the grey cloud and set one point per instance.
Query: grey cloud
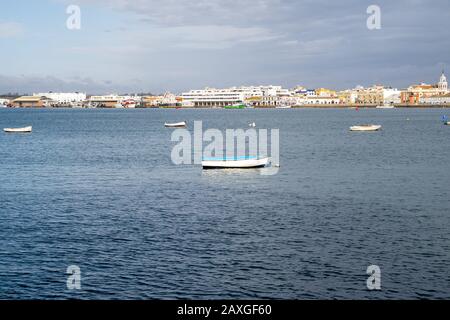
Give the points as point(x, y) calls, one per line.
point(179, 44)
point(30, 84)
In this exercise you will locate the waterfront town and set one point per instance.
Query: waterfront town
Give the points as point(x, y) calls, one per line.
point(418, 95)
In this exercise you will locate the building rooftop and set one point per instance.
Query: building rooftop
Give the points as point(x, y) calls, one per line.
point(30, 99)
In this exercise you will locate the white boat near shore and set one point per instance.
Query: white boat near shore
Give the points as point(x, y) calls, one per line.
point(18, 130)
point(234, 163)
point(386, 106)
point(176, 125)
point(283, 107)
point(366, 127)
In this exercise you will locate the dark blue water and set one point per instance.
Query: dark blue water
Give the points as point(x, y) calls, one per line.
point(97, 189)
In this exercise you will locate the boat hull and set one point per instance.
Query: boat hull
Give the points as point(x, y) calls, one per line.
point(447, 123)
point(176, 125)
point(365, 128)
point(385, 107)
point(18, 130)
point(235, 164)
point(241, 106)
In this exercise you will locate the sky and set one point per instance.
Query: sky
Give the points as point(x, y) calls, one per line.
point(155, 46)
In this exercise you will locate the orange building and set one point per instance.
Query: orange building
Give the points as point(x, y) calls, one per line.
point(415, 93)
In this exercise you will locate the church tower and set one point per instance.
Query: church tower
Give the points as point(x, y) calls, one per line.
point(443, 85)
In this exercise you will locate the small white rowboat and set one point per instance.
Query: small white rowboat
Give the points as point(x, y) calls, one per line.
point(176, 125)
point(366, 127)
point(387, 106)
point(234, 163)
point(18, 130)
point(283, 107)
point(447, 123)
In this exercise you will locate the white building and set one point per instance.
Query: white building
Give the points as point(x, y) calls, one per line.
point(64, 98)
point(443, 84)
point(169, 99)
point(391, 96)
point(437, 100)
point(322, 100)
point(223, 97)
point(114, 101)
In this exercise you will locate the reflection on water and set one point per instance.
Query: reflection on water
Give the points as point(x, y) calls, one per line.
point(217, 173)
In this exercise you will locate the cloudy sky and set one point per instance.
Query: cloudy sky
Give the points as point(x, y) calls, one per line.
point(175, 45)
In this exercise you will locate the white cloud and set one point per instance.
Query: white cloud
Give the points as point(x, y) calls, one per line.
point(199, 12)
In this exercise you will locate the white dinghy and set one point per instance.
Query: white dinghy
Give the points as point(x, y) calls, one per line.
point(283, 107)
point(386, 106)
point(19, 130)
point(366, 127)
point(234, 163)
point(176, 125)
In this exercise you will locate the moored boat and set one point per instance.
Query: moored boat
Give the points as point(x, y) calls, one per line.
point(176, 125)
point(129, 104)
point(366, 127)
point(236, 106)
point(283, 107)
point(234, 163)
point(18, 130)
point(386, 106)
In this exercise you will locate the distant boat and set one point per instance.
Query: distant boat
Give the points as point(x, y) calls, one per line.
point(283, 107)
point(386, 106)
point(252, 125)
point(18, 130)
point(176, 125)
point(365, 127)
point(447, 123)
point(129, 104)
point(236, 106)
point(234, 163)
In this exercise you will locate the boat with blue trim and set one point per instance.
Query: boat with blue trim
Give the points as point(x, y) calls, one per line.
point(234, 162)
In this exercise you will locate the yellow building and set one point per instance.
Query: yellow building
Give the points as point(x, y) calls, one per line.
point(253, 101)
point(32, 102)
point(347, 97)
point(151, 101)
point(323, 92)
point(370, 96)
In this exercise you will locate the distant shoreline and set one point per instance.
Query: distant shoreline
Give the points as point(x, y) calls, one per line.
point(311, 106)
